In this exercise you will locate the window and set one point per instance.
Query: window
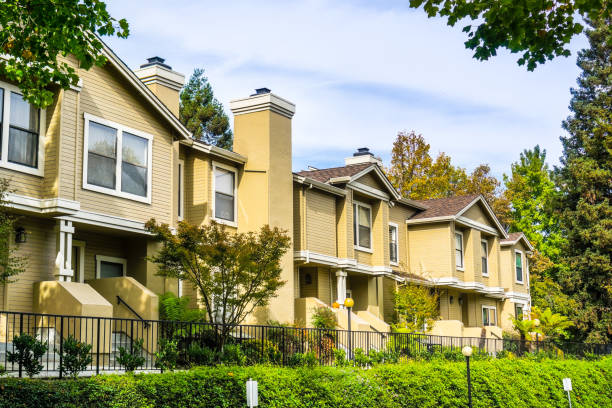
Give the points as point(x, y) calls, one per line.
point(181, 189)
point(20, 132)
point(518, 256)
point(393, 244)
point(224, 187)
point(459, 250)
point(484, 257)
point(489, 316)
point(362, 228)
point(110, 267)
point(117, 160)
point(518, 311)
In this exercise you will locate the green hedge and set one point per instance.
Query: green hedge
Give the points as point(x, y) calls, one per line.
point(498, 383)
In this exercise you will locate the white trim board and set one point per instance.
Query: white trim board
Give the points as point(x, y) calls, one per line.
point(104, 258)
point(43, 206)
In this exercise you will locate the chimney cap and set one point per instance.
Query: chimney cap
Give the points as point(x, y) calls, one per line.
point(363, 151)
point(261, 91)
point(155, 61)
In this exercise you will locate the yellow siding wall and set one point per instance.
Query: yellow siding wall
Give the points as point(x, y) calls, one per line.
point(344, 222)
point(430, 250)
point(308, 290)
point(508, 268)
point(388, 312)
point(298, 219)
point(476, 213)
point(398, 215)
point(320, 222)
point(39, 252)
point(371, 180)
point(197, 188)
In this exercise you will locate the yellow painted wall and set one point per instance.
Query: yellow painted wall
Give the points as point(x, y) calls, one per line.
point(389, 287)
point(431, 254)
point(398, 215)
point(320, 220)
point(508, 272)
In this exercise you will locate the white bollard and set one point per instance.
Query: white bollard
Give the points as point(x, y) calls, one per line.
point(251, 393)
point(567, 386)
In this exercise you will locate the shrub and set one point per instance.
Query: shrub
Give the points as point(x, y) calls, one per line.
point(361, 359)
point(133, 358)
point(258, 352)
point(76, 357)
point(308, 359)
point(167, 356)
point(324, 318)
point(340, 358)
point(29, 351)
point(232, 355)
point(197, 355)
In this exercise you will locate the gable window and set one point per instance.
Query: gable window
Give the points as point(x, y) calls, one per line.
point(224, 187)
point(459, 250)
point(489, 316)
point(362, 228)
point(110, 267)
point(484, 257)
point(117, 160)
point(393, 244)
point(518, 266)
point(20, 132)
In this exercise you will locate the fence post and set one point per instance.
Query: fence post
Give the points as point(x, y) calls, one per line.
point(61, 356)
point(131, 336)
point(98, 348)
point(20, 332)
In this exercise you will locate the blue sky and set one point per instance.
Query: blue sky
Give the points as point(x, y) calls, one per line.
point(359, 72)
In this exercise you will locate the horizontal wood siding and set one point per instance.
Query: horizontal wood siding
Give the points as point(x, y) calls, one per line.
point(430, 250)
point(321, 222)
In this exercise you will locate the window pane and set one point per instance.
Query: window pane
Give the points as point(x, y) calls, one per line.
point(458, 242)
point(134, 149)
point(110, 269)
point(483, 245)
point(458, 259)
point(224, 206)
point(133, 179)
point(519, 260)
point(392, 243)
point(23, 115)
point(354, 224)
point(519, 267)
point(485, 317)
point(364, 236)
point(23, 147)
point(364, 216)
point(101, 171)
point(102, 140)
point(1, 115)
point(224, 181)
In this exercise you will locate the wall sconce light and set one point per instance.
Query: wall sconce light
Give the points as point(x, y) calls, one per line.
point(307, 279)
point(20, 235)
point(460, 300)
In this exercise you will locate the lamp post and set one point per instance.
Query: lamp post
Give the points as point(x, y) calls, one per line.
point(467, 352)
point(348, 303)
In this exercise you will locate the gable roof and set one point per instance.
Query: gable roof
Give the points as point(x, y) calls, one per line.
point(325, 175)
point(515, 237)
point(452, 208)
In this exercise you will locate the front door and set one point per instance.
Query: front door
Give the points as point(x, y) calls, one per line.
point(464, 310)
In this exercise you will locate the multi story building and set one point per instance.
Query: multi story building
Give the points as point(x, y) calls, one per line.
point(87, 172)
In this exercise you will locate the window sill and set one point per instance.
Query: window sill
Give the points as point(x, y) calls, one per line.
point(460, 269)
point(23, 169)
point(120, 194)
point(394, 263)
point(519, 282)
point(225, 222)
point(362, 249)
point(485, 275)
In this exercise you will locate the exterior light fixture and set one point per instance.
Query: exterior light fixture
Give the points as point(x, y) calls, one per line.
point(467, 352)
point(20, 235)
point(349, 303)
point(336, 305)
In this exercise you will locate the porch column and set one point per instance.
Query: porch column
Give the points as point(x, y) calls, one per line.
point(341, 286)
point(63, 260)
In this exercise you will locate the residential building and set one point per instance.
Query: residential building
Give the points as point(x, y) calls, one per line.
point(88, 171)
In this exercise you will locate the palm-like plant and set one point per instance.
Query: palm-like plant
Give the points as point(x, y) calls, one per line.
point(553, 325)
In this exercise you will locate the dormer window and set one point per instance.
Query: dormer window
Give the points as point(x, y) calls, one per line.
point(484, 257)
point(362, 227)
point(459, 250)
point(20, 132)
point(518, 266)
point(393, 244)
point(224, 201)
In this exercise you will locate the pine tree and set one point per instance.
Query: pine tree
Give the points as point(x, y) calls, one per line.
point(203, 114)
point(585, 181)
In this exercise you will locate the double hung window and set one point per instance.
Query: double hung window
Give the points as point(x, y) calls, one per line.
point(362, 228)
point(459, 250)
point(393, 244)
point(224, 204)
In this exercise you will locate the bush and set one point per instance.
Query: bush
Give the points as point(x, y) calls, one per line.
point(324, 318)
point(258, 352)
point(197, 355)
point(133, 358)
point(308, 359)
point(76, 357)
point(361, 359)
point(29, 351)
point(507, 383)
point(340, 358)
point(167, 356)
point(232, 355)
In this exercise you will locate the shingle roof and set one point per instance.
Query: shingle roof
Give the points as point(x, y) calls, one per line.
point(512, 237)
point(442, 207)
point(324, 175)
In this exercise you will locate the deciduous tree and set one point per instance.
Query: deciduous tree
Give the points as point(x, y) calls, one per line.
point(540, 30)
point(234, 272)
point(10, 263)
point(35, 32)
point(416, 307)
point(585, 181)
point(203, 114)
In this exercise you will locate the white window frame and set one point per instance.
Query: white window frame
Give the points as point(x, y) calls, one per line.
point(234, 170)
point(462, 266)
point(356, 226)
point(6, 113)
point(100, 258)
point(521, 282)
point(484, 241)
point(395, 263)
point(181, 187)
point(495, 314)
point(120, 129)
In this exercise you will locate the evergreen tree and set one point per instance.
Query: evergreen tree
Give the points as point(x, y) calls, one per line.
point(585, 181)
point(203, 114)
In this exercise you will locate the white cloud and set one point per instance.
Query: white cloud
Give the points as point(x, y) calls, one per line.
point(358, 74)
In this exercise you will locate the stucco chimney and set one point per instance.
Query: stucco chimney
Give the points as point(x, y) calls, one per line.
point(262, 133)
point(362, 155)
point(165, 83)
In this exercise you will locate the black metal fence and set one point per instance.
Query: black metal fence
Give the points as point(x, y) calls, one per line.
point(200, 343)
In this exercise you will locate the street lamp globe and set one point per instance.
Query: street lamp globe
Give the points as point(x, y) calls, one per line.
point(466, 351)
point(335, 305)
point(349, 302)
